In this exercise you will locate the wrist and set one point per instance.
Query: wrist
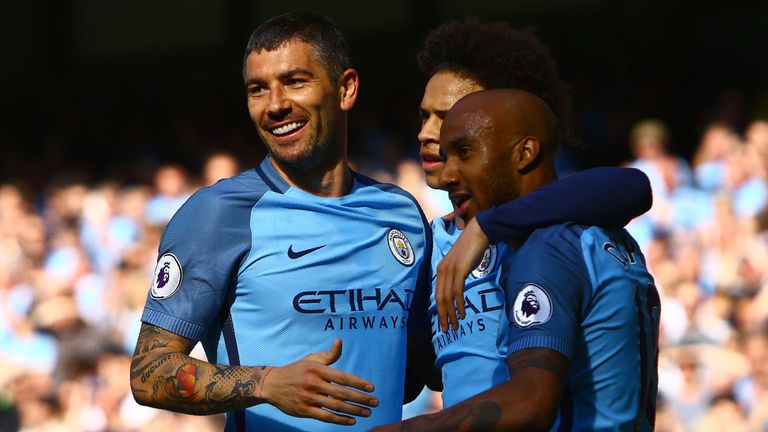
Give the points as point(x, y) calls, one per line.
point(264, 391)
point(483, 226)
point(477, 230)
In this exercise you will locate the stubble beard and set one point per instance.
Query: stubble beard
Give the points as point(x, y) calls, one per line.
point(299, 154)
point(503, 187)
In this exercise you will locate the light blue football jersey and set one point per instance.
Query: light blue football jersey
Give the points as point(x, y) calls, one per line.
point(468, 357)
point(264, 274)
point(585, 292)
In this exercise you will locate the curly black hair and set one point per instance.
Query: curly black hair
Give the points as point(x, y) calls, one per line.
point(496, 55)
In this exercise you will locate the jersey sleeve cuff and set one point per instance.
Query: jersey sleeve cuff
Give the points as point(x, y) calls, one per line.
point(542, 341)
point(174, 325)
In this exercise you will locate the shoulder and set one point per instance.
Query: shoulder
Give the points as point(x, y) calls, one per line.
point(553, 252)
point(388, 192)
point(247, 186)
point(565, 236)
point(384, 187)
point(227, 201)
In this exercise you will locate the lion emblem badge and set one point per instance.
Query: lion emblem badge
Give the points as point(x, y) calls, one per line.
point(532, 306)
point(167, 277)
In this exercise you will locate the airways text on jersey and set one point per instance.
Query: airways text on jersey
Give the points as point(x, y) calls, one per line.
point(357, 308)
point(480, 305)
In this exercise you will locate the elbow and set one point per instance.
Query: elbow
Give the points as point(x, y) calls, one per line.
point(140, 394)
point(542, 423)
point(540, 413)
point(534, 422)
point(645, 190)
point(140, 389)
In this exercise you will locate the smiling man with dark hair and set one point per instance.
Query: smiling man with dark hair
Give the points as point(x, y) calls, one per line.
point(287, 259)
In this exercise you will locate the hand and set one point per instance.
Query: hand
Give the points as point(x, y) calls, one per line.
point(309, 388)
point(453, 269)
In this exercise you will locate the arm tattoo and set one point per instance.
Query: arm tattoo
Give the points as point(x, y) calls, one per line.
point(182, 385)
point(164, 376)
point(505, 407)
point(482, 416)
point(537, 358)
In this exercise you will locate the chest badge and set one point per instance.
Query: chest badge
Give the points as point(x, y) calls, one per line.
point(487, 264)
point(400, 247)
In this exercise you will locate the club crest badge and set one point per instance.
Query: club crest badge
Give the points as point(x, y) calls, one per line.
point(487, 264)
point(400, 247)
point(167, 277)
point(532, 306)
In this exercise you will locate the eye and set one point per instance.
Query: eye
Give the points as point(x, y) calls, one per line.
point(256, 90)
point(295, 83)
point(464, 152)
point(423, 115)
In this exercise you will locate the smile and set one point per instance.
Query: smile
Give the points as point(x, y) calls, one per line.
point(287, 128)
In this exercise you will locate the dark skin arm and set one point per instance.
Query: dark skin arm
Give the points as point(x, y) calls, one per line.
point(527, 402)
point(163, 375)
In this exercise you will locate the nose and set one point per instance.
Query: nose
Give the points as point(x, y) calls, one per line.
point(279, 106)
point(449, 176)
point(430, 130)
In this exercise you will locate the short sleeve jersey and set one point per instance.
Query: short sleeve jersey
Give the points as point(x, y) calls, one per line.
point(585, 293)
point(468, 357)
point(265, 273)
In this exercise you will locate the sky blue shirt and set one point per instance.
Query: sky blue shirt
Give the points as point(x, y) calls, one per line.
point(585, 292)
point(472, 359)
point(264, 274)
point(467, 357)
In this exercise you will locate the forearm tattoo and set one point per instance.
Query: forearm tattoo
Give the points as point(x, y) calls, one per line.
point(163, 375)
point(481, 416)
point(537, 358)
point(484, 411)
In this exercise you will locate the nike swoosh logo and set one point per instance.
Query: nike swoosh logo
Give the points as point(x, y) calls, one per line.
point(298, 254)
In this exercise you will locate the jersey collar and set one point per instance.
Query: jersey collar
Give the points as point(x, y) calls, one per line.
point(271, 177)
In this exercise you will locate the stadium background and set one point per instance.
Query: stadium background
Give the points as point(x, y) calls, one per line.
point(100, 100)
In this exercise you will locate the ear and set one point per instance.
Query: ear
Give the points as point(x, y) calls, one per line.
point(526, 153)
point(349, 83)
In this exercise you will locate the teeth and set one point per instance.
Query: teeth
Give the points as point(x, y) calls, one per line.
point(290, 127)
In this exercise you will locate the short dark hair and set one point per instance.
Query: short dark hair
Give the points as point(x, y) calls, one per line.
point(496, 55)
point(325, 38)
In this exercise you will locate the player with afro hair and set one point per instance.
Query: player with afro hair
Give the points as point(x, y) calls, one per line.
point(478, 55)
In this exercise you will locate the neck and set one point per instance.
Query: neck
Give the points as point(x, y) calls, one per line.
point(332, 179)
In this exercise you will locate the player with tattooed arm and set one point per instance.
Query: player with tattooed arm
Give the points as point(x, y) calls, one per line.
point(287, 259)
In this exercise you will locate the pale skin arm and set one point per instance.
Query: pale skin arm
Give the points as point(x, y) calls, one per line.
point(163, 375)
point(453, 269)
point(527, 402)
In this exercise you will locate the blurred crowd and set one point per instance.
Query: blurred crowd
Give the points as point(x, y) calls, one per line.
point(76, 260)
point(74, 266)
point(706, 243)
